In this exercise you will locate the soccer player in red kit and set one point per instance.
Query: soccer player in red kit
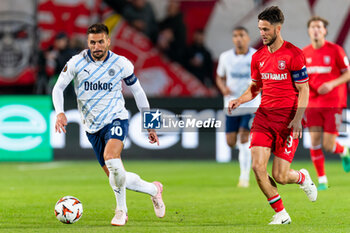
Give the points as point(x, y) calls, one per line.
point(328, 68)
point(278, 70)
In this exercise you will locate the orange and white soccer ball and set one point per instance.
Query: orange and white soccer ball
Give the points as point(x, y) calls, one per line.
point(68, 209)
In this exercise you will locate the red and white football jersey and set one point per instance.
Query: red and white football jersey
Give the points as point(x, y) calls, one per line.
point(278, 72)
point(323, 65)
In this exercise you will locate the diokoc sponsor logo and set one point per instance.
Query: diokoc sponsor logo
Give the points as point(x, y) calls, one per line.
point(97, 86)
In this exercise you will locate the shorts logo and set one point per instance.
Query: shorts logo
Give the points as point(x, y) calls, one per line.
point(152, 119)
point(327, 60)
point(281, 64)
point(111, 72)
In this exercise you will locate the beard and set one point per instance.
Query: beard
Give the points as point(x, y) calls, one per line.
point(273, 39)
point(98, 57)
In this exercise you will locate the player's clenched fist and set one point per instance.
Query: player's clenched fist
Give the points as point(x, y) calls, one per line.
point(233, 104)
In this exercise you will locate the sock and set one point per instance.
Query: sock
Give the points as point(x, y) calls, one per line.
point(117, 182)
point(276, 203)
point(245, 160)
point(135, 183)
point(317, 158)
point(338, 149)
point(322, 179)
point(301, 178)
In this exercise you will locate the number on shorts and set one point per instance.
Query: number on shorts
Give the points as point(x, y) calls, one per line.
point(290, 141)
point(117, 131)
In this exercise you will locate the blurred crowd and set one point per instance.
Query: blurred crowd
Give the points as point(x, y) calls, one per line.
point(168, 35)
point(52, 61)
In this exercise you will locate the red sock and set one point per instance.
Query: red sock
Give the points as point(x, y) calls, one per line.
point(301, 178)
point(338, 149)
point(276, 203)
point(317, 158)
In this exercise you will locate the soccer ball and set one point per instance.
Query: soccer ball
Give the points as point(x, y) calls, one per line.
point(68, 209)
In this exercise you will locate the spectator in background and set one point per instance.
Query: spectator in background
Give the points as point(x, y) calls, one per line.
point(117, 5)
point(199, 60)
point(76, 44)
point(174, 21)
point(51, 62)
point(164, 42)
point(140, 15)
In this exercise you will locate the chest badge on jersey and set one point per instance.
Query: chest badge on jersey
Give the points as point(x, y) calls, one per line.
point(308, 59)
point(281, 64)
point(111, 72)
point(327, 60)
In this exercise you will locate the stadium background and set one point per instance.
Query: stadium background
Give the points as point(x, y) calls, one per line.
point(28, 27)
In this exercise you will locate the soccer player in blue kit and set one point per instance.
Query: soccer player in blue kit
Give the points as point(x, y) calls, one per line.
point(97, 73)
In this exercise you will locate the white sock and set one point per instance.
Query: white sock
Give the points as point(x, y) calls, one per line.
point(117, 181)
point(245, 160)
point(322, 179)
point(135, 183)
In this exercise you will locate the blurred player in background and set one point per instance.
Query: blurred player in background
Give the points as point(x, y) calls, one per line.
point(232, 79)
point(328, 68)
point(278, 70)
point(97, 74)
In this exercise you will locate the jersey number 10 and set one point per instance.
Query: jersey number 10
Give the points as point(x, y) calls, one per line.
point(117, 131)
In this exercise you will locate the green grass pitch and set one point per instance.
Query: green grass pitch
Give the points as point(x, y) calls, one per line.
point(200, 197)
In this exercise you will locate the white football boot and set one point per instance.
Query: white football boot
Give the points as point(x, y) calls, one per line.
point(281, 217)
point(308, 186)
point(158, 204)
point(120, 218)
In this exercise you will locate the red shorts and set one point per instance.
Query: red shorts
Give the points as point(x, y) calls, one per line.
point(275, 135)
point(328, 118)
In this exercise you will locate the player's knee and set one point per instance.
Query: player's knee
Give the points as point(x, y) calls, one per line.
point(259, 169)
point(231, 143)
point(244, 139)
point(328, 147)
point(280, 178)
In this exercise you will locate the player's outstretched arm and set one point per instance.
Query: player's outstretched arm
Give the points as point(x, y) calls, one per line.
point(253, 90)
point(58, 99)
point(330, 85)
point(142, 104)
point(303, 100)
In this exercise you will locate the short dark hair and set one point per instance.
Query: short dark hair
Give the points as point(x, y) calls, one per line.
point(97, 28)
point(272, 14)
point(317, 18)
point(239, 28)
